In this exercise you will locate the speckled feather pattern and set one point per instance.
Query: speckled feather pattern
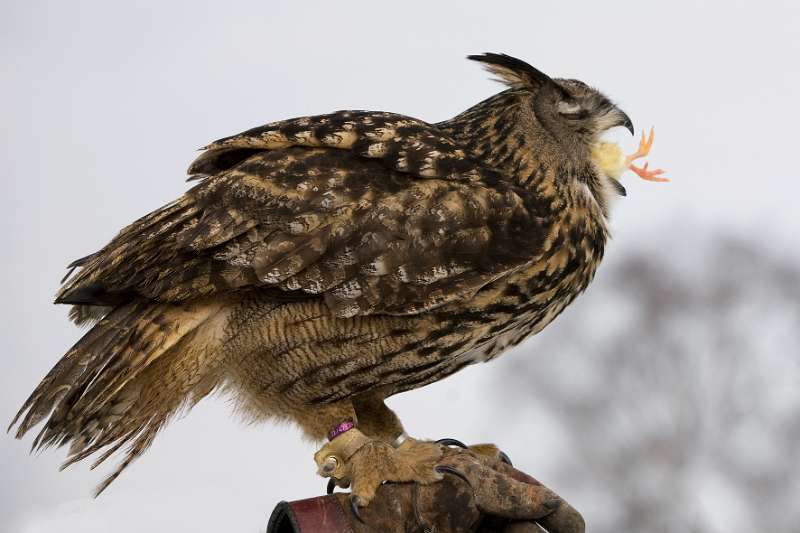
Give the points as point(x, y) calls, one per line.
point(320, 260)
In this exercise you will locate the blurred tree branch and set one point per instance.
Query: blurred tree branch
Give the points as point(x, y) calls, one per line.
point(676, 386)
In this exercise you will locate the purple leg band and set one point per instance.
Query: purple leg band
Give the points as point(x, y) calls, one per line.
point(347, 425)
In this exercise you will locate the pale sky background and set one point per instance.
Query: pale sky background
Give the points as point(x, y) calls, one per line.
point(103, 105)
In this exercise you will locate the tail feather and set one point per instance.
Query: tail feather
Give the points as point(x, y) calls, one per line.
point(126, 378)
point(87, 315)
point(78, 364)
point(143, 345)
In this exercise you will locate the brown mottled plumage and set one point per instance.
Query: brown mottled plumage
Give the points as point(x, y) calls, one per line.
point(324, 263)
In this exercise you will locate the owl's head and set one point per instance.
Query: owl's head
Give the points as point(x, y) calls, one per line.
point(566, 119)
point(569, 110)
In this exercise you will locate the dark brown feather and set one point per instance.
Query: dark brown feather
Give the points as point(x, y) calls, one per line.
point(330, 221)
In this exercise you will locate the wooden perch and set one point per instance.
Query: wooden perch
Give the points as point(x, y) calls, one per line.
point(479, 494)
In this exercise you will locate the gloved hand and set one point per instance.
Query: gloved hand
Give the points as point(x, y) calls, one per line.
point(480, 493)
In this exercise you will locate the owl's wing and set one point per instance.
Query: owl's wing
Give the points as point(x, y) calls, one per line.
point(393, 218)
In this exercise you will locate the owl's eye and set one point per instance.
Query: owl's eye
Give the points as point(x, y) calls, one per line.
point(571, 110)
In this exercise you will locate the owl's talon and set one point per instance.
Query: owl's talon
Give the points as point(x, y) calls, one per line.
point(451, 442)
point(354, 505)
point(483, 449)
point(446, 469)
point(505, 458)
point(417, 513)
point(333, 483)
point(364, 463)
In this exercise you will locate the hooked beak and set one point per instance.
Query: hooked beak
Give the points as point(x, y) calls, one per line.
point(625, 121)
point(614, 117)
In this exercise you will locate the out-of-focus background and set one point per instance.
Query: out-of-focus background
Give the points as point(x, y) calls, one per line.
point(665, 399)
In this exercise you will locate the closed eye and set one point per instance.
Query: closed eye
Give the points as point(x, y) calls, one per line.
point(578, 115)
point(571, 110)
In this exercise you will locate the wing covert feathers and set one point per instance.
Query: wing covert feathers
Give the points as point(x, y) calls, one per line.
point(399, 142)
point(313, 207)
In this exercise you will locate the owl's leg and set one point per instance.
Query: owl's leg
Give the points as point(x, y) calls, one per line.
point(366, 456)
point(376, 420)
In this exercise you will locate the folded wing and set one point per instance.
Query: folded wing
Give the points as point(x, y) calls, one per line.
point(374, 212)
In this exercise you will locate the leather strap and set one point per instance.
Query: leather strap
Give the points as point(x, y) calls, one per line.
point(313, 515)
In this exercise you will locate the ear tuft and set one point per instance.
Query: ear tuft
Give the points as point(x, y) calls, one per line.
point(514, 72)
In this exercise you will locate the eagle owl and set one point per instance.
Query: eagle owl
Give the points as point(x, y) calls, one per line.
point(324, 263)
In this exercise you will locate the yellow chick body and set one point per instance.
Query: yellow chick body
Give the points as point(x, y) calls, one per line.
point(609, 158)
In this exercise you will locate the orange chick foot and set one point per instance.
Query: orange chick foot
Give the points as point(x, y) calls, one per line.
point(645, 144)
point(649, 175)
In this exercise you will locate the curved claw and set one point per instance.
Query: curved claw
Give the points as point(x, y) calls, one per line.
point(331, 486)
point(421, 522)
point(446, 469)
point(451, 442)
point(505, 458)
point(354, 508)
